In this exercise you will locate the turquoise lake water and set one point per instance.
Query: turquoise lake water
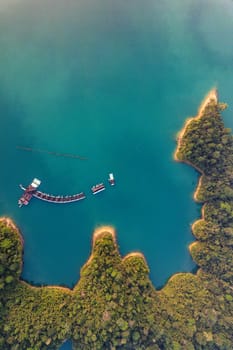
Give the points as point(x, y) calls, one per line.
point(112, 81)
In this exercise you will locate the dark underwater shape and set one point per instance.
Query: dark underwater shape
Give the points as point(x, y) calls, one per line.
point(114, 305)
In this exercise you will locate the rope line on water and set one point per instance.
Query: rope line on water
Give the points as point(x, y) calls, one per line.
point(68, 155)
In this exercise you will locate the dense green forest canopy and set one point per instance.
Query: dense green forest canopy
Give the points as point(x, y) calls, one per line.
point(114, 305)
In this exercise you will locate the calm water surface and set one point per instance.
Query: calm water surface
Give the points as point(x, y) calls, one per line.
point(114, 82)
point(66, 346)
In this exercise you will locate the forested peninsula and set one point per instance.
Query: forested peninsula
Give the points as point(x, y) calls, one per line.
point(114, 305)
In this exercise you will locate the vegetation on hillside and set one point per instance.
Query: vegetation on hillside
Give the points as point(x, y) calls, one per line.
point(114, 306)
point(208, 146)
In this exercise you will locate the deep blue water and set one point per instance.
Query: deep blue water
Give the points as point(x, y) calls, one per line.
point(66, 346)
point(112, 81)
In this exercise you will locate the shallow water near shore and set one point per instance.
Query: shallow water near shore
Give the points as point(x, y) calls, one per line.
point(113, 82)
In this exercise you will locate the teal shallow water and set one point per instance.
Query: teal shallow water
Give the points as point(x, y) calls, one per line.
point(114, 82)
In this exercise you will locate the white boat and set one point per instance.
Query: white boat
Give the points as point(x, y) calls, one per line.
point(111, 179)
point(28, 192)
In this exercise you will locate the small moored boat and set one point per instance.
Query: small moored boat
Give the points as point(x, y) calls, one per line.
point(28, 192)
point(111, 179)
point(98, 188)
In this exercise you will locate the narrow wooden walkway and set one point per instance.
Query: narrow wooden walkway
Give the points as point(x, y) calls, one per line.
point(56, 199)
point(59, 199)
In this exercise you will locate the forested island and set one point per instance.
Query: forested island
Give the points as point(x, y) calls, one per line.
point(114, 305)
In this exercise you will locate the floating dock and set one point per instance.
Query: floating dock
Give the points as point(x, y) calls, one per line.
point(32, 191)
point(98, 188)
point(59, 199)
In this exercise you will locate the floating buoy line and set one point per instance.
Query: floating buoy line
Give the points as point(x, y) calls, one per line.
point(56, 154)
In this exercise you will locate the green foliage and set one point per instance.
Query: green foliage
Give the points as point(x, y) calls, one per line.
point(10, 255)
point(208, 146)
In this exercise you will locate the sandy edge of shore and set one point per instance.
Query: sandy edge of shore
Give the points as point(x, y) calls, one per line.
point(134, 254)
point(193, 226)
point(212, 95)
point(174, 276)
point(9, 223)
point(99, 231)
point(110, 229)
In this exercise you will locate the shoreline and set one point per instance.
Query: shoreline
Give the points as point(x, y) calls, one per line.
point(134, 254)
point(100, 230)
point(63, 289)
point(192, 245)
point(174, 276)
point(98, 233)
point(9, 223)
point(202, 217)
point(212, 95)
